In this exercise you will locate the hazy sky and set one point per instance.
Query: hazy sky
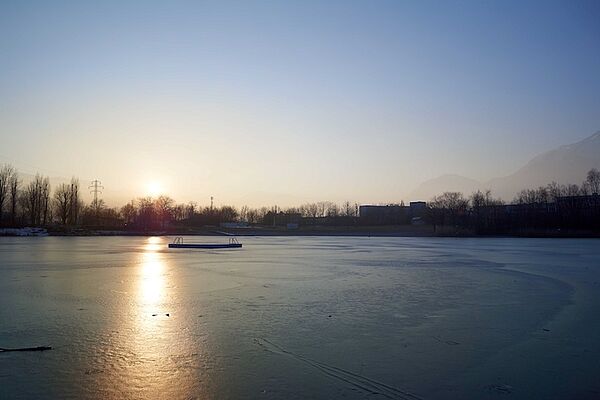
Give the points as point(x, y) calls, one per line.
point(285, 102)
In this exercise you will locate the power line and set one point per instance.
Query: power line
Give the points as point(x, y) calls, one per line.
point(32, 169)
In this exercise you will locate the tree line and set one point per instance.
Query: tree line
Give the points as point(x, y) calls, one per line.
point(552, 206)
point(34, 204)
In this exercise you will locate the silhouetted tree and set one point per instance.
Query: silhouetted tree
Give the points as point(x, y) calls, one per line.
point(593, 180)
point(347, 209)
point(483, 208)
point(163, 206)
point(128, 213)
point(62, 202)
point(75, 204)
point(228, 213)
point(6, 174)
point(67, 203)
point(448, 207)
point(14, 196)
point(554, 190)
point(525, 196)
point(190, 209)
point(253, 216)
point(37, 200)
point(146, 213)
point(333, 210)
point(244, 213)
point(178, 212)
point(571, 190)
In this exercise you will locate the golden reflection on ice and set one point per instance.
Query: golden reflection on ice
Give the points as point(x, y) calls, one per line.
point(156, 356)
point(152, 275)
point(155, 339)
point(151, 297)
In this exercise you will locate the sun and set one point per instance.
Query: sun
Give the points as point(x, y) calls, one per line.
point(153, 188)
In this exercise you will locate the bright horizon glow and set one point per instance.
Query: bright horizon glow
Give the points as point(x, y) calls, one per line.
point(154, 189)
point(280, 103)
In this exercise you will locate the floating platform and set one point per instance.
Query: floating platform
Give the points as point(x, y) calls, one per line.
point(178, 244)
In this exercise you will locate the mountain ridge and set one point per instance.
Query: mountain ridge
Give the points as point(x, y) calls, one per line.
point(565, 164)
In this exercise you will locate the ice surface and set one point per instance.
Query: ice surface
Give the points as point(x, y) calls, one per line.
point(301, 317)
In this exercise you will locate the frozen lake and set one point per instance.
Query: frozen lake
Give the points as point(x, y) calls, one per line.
point(301, 317)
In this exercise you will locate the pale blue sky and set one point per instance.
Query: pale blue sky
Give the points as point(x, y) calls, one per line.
point(284, 102)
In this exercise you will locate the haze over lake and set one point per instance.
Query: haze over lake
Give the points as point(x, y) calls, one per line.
point(301, 317)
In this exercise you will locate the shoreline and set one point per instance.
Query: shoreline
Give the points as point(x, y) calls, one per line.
point(365, 231)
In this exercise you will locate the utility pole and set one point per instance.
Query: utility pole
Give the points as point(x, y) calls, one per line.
point(96, 187)
point(211, 203)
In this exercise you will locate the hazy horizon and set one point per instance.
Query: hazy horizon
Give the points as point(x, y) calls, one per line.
point(153, 189)
point(264, 103)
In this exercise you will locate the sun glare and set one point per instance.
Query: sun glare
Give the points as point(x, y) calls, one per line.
point(153, 188)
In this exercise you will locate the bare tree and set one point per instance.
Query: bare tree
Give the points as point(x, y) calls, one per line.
point(572, 190)
point(6, 174)
point(67, 203)
point(452, 204)
point(304, 210)
point(482, 206)
point(146, 212)
point(310, 210)
point(253, 216)
point(593, 180)
point(190, 209)
point(23, 201)
point(526, 196)
point(96, 208)
point(32, 195)
point(484, 199)
point(128, 213)
point(321, 208)
point(14, 196)
point(178, 212)
point(454, 201)
point(228, 213)
point(164, 209)
point(37, 200)
point(292, 210)
point(261, 213)
point(542, 194)
point(62, 202)
point(555, 190)
point(45, 201)
point(244, 213)
point(333, 210)
point(75, 203)
point(347, 209)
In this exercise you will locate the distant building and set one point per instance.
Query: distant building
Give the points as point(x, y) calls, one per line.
point(566, 212)
point(418, 209)
point(589, 202)
point(392, 214)
point(580, 211)
point(283, 219)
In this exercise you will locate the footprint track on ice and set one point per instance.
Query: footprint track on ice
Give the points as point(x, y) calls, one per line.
point(359, 381)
